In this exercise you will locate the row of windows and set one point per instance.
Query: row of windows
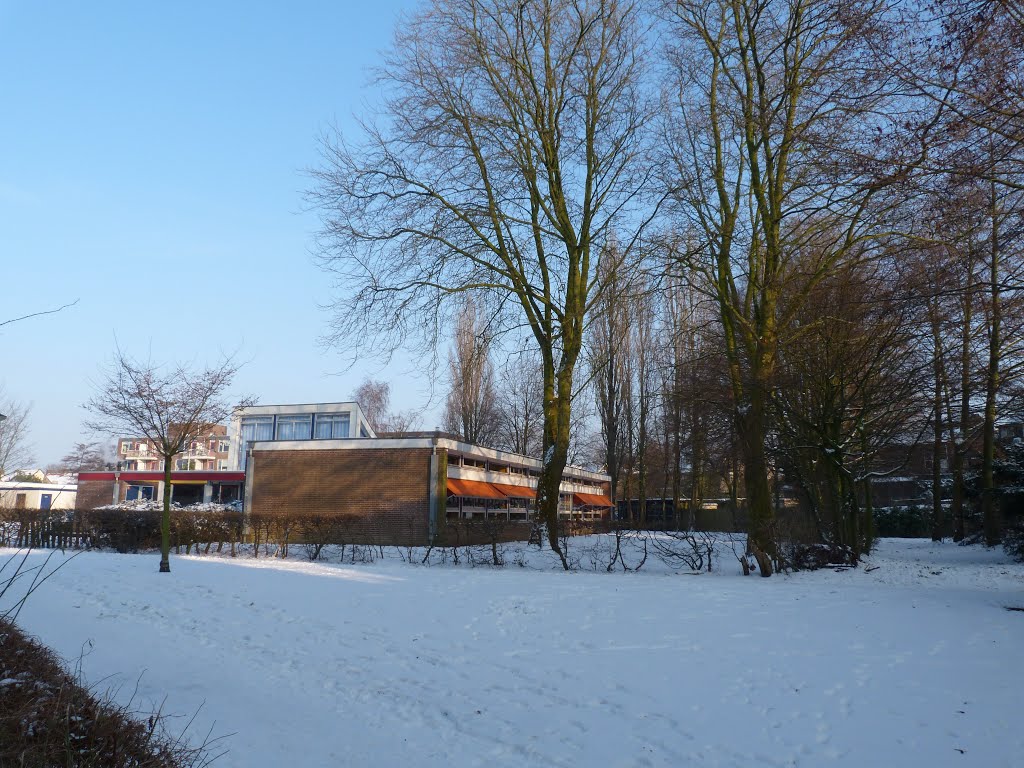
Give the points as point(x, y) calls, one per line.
point(454, 460)
point(325, 426)
point(193, 464)
point(300, 426)
point(216, 446)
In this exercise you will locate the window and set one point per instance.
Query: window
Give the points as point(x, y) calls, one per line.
point(253, 429)
point(331, 426)
point(135, 492)
point(45, 500)
point(363, 432)
point(258, 428)
point(223, 446)
point(293, 427)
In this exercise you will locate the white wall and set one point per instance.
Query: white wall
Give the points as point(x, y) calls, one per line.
point(61, 496)
point(356, 421)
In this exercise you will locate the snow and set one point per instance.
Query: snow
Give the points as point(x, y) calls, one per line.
point(150, 505)
point(912, 659)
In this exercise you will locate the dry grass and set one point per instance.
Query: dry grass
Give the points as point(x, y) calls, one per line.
point(48, 718)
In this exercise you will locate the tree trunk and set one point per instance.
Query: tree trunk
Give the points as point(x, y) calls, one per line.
point(641, 449)
point(937, 447)
point(761, 522)
point(964, 427)
point(557, 404)
point(165, 519)
point(990, 510)
point(868, 512)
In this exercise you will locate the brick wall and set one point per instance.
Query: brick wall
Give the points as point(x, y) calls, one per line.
point(94, 493)
point(383, 494)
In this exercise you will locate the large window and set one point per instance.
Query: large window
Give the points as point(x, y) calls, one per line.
point(252, 429)
point(294, 427)
point(331, 426)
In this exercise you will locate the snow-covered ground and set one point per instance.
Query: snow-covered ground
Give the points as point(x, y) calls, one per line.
point(912, 660)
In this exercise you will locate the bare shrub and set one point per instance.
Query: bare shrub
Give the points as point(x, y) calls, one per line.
point(318, 531)
point(691, 549)
point(622, 532)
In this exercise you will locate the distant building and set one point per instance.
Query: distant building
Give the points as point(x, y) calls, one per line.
point(41, 492)
point(206, 453)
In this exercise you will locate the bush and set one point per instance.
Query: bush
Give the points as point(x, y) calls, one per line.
point(1013, 543)
point(811, 557)
point(910, 522)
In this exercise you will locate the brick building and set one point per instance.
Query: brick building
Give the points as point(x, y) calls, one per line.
point(414, 489)
point(324, 461)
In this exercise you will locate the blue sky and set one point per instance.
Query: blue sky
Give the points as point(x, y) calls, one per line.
point(152, 168)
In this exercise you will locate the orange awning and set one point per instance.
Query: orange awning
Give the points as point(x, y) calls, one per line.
point(592, 500)
point(515, 491)
point(473, 488)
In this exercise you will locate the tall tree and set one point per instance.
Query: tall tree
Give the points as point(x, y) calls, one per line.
point(471, 407)
point(511, 146)
point(852, 383)
point(610, 360)
point(967, 59)
point(775, 106)
point(520, 393)
point(169, 405)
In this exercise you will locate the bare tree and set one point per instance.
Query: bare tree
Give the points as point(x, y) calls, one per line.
point(171, 406)
point(777, 105)
point(520, 393)
point(83, 457)
point(511, 146)
point(471, 407)
point(610, 356)
point(966, 59)
point(374, 398)
point(852, 383)
point(15, 452)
